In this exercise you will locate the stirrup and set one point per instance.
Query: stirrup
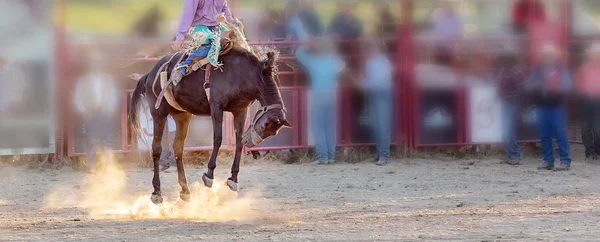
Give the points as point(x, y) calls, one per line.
point(207, 92)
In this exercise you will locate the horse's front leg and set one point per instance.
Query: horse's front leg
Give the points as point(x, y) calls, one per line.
point(159, 126)
point(217, 122)
point(183, 123)
point(239, 120)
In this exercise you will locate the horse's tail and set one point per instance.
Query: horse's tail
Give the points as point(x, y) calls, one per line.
point(136, 97)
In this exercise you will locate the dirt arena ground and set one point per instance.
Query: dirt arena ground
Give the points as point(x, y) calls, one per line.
point(414, 199)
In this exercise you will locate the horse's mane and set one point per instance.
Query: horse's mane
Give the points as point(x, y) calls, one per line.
point(268, 68)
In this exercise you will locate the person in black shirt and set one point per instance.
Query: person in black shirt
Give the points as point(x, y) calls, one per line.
point(511, 81)
point(387, 26)
point(346, 28)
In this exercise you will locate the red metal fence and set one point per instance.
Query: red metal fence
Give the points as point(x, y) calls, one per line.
point(424, 115)
point(418, 109)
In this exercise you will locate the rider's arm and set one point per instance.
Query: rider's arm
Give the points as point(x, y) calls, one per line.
point(189, 10)
point(227, 12)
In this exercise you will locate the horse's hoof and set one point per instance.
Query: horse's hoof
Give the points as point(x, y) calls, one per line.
point(156, 199)
point(207, 181)
point(185, 196)
point(232, 185)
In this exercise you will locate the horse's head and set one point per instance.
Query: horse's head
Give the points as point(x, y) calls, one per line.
point(270, 118)
point(267, 122)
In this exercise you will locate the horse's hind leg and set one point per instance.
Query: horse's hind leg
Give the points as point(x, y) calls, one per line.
point(217, 122)
point(239, 119)
point(159, 126)
point(183, 123)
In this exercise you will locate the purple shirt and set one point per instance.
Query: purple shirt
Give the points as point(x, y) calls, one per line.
point(201, 12)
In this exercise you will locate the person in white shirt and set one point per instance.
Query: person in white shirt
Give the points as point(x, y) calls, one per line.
point(377, 83)
point(96, 99)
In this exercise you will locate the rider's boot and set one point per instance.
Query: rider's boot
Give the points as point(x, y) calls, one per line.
point(178, 74)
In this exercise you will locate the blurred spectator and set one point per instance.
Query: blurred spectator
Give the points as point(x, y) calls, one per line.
point(96, 99)
point(448, 28)
point(377, 84)
point(549, 83)
point(511, 82)
point(386, 27)
point(275, 27)
point(296, 30)
point(345, 24)
point(323, 66)
point(311, 19)
point(347, 28)
point(526, 12)
point(588, 88)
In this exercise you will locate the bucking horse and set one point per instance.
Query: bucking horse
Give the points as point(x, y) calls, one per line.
point(244, 79)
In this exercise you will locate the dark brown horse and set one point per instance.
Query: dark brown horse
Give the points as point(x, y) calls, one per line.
point(244, 80)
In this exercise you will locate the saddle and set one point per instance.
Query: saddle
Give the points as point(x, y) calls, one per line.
point(226, 46)
point(167, 84)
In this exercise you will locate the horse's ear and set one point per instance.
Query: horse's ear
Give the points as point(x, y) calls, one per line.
point(286, 123)
point(270, 63)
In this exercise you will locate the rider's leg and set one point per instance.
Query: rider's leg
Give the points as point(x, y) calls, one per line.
point(201, 52)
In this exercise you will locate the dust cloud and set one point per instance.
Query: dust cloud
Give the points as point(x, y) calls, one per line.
point(105, 195)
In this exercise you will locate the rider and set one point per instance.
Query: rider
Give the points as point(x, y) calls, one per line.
point(201, 15)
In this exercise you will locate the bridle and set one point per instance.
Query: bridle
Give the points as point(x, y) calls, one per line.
point(254, 136)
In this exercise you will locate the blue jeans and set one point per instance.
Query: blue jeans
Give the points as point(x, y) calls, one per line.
point(201, 52)
point(552, 121)
point(323, 125)
point(510, 112)
point(380, 106)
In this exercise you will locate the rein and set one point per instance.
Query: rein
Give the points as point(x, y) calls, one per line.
point(254, 136)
